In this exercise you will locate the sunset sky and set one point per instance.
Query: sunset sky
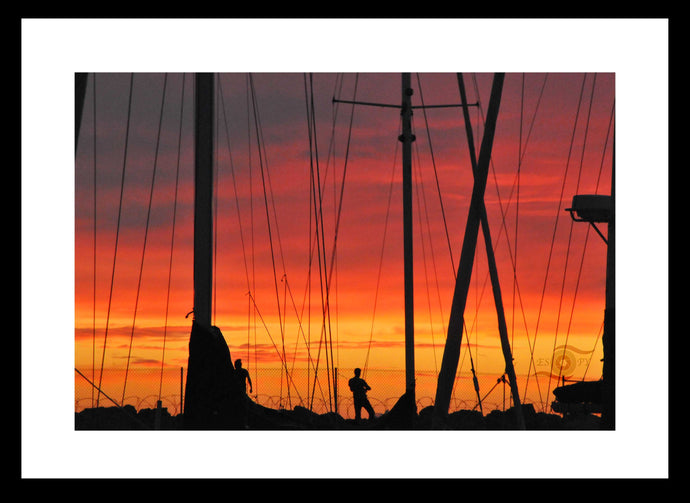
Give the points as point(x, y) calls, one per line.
point(548, 156)
point(553, 135)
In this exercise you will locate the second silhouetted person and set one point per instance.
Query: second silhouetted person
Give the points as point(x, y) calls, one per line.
point(359, 388)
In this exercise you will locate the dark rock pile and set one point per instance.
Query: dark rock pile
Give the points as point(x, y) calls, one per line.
point(401, 417)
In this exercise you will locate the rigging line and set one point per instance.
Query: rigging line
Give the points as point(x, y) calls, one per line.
point(342, 191)
point(266, 205)
point(285, 313)
point(310, 245)
point(560, 201)
point(490, 246)
point(330, 274)
point(281, 355)
point(476, 384)
point(421, 197)
point(570, 234)
point(300, 327)
point(251, 322)
point(517, 207)
point(381, 256)
point(146, 232)
point(521, 155)
point(270, 185)
point(433, 163)
point(516, 184)
point(606, 141)
point(315, 151)
point(587, 234)
point(334, 259)
point(503, 227)
point(555, 227)
point(325, 300)
point(313, 243)
point(172, 237)
point(318, 240)
point(97, 387)
point(234, 182)
point(342, 185)
point(471, 147)
point(594, 346)
point(95, 221)
point(117, 235)
point(431, 247)
point(536, 109)
point(439, 190)
point(515, 284)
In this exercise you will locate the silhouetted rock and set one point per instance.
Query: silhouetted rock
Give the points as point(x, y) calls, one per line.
point(402, 416)
point(582, 422)
point(109, 418)
point(424, 418)
point(465, 420)
point(158, 419)
point(211, 399)
point(544, 421)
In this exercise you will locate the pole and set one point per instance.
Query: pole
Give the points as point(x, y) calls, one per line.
point(608, 416)
point(80, 80)
point(407, 139)
point(493, 272)
point(451, 355)
point(203, 137)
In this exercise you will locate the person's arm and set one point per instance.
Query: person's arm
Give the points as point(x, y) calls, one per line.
point(250, 382)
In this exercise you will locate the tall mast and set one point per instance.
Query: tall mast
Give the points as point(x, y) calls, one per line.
point(493, 271)
point(407, 138)
point(203, 191)
point(608, 415)
point(476, 215)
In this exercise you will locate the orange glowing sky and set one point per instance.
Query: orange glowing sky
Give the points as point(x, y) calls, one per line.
point(565, 135)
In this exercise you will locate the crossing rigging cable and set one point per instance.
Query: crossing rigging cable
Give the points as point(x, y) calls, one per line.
point(95, 233)
point(146, 233)
point(555, 227)
point(117, 236)
point(172, 237)
point(265, 182)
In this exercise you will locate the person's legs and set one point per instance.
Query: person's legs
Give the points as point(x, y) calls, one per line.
point(370, 409)
point(358, 410)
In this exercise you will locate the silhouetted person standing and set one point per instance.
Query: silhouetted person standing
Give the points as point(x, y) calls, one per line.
point(242, 377)
point(359, 388)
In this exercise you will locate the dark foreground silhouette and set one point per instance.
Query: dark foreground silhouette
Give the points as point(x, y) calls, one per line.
point(216, 399)
point(401, 417)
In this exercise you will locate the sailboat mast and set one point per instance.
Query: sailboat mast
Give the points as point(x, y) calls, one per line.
point(451, 354)
point(407, 138)
point(608, 416)
point(203, 192)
